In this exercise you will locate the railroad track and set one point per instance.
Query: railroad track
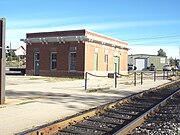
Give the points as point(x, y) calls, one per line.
point(131, 115)
point(165, 121)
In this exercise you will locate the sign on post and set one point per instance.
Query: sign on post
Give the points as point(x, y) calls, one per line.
point(2, 60)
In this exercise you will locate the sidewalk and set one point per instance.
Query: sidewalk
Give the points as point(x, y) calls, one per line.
point(31, 102)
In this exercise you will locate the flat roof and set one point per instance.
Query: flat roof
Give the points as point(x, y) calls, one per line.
point(145, 55)
point(73, 35)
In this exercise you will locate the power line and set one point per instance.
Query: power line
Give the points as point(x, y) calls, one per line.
point(154, 42)
point(153, 37)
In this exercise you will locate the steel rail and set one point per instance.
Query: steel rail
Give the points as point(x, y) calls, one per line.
point(55, 126)
point(72, 120)
point(138, 121)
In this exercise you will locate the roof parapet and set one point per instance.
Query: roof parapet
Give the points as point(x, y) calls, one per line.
point(82, 38)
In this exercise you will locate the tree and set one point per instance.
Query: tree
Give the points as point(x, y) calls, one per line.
point(11, 56)
point(171, 61)
point(161, 53)
point(174, 62)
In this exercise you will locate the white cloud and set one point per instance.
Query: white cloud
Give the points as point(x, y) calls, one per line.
point(167, 41)
point(43, 22)
point(88, 22)
point(18, 29)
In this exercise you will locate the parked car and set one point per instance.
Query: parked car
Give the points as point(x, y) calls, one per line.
point(174, 68)
point(130, 67)
point(167, 68)
point(152, 67)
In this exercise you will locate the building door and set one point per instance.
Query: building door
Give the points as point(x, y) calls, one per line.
point(36, 63)
point(95, 61)
point(116, 64)
point(141, 64)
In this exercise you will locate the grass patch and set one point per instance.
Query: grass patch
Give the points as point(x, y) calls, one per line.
point(23, 103)
point(34, 78)
point(128, 83)
point(15, 63)
point(2, 106)
point(97, 89)
point(128, 76)
point(13, 84)
point(54, 79)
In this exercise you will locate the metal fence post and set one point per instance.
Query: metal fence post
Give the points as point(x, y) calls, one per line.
point(163, 75)
point(115, 79)
point(86, 80)
point(154, 76)
point(176, 73)
point(115, 73)
point(134, 78)
point(141, 78)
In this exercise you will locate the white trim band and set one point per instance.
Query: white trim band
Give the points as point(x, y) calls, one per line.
point(63, 39)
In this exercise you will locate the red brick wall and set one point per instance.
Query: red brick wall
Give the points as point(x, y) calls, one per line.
point(62, 58)
point(85, 54)
point(124, 60)
point(105, 37)
point(101, 57)
point(89, 57)
point(57, 33)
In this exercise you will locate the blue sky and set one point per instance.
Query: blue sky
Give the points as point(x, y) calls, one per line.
point(147, 25)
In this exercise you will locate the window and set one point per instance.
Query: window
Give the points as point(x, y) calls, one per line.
point(36, 63)
point(106, 58)
point(53, 60)
point(162, 60)
point(106, 61)
point(36, 55)
point(96, 61)
point(72, 63)
point(116, 64)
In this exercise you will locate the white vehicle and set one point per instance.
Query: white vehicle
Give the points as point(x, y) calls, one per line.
point(167, 68)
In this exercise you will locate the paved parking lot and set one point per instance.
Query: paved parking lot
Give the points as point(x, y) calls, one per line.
point(33, 101)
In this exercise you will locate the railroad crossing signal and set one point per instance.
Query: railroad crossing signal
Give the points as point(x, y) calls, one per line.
point(2, 60)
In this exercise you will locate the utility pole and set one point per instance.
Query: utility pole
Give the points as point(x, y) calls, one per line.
point(178, 60)
point(179, 52)
point(10, 53)
point(2, 60)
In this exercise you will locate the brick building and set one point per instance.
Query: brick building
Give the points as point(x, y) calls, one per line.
point(74, 52)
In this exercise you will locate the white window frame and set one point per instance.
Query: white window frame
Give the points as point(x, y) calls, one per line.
point(162, 60)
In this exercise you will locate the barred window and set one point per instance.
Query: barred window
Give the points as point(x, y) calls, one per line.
point(53, 60)
point(72, 61)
